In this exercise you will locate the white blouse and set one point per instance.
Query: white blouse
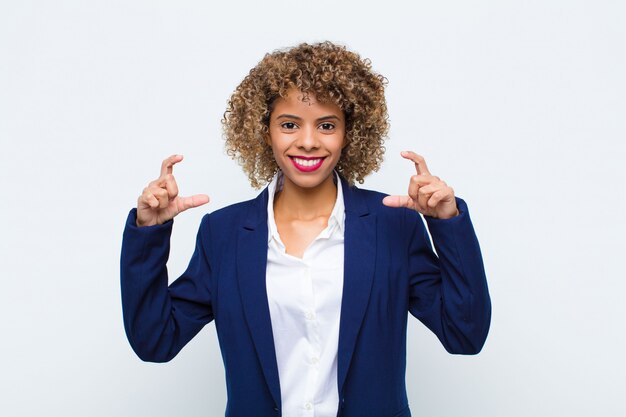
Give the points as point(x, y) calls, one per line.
point(305, 305)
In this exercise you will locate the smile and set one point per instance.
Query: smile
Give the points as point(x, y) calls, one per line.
point(306, 164)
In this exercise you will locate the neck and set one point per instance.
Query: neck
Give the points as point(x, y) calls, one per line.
point(306, 203)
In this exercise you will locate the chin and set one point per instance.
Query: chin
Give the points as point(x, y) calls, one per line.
point(307, 180)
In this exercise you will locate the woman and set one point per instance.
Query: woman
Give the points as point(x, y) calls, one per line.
point(310, 283)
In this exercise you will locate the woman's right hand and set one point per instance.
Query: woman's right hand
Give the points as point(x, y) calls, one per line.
point(160, 201)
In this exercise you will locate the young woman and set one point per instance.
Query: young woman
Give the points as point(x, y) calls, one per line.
point(310, 284)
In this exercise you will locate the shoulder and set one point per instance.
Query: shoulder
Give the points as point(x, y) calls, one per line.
point(219, 229)
point(231, 211)
point(371, 202)
point(229, 215)
point(233, 216)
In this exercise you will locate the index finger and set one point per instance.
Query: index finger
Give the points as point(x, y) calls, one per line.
point(420, 162)
point(168, 163)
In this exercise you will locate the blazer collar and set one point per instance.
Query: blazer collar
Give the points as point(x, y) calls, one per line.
point(359, 258)
point(353, 201)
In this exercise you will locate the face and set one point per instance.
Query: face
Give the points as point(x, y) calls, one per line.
point(306, 138)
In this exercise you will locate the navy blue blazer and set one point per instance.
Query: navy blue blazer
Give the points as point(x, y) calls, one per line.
point(390, 270)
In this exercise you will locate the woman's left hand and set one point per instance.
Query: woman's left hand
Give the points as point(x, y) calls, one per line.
point(428, 194)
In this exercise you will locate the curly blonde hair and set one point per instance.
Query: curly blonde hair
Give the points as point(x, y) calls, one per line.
point(332, 74)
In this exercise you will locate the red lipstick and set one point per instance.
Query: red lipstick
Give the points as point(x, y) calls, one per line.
point(307, 163)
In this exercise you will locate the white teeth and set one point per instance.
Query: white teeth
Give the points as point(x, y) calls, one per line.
point(307, 162)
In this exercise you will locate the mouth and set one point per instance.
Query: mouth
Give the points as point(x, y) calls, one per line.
point(307, 163)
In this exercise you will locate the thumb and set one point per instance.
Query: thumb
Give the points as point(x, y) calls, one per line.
point(398, 201)
point(194, 201)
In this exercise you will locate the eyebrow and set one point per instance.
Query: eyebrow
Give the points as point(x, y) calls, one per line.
point(293, 116)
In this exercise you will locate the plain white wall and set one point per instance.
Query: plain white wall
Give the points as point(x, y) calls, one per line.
point(520, 106)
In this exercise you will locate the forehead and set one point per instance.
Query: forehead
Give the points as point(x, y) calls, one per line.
point(304, 105)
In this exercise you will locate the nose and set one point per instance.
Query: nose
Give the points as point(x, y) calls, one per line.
point(307, 139)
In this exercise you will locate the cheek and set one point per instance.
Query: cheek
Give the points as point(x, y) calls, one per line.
point(345, 141)
point(342, 142)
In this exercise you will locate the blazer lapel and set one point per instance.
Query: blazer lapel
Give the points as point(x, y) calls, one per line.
point(359, 258)
point(251, 268)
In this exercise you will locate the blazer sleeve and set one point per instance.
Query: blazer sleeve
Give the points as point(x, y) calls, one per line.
point(160, 320)
point(448, 291)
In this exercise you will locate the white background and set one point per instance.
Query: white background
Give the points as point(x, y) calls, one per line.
point(520, 106)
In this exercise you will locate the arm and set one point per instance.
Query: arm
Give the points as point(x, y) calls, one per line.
point(449, 293)
point(159, 320)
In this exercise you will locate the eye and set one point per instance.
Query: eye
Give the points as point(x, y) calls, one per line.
point(288, 125)
point(327, 126)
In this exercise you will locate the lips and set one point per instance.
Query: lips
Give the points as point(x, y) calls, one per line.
point(307, 163)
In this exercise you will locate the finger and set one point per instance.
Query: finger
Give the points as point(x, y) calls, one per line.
point(161, 195)
point(430, 189)
point(425, 179)
point(168, 164)
point(414, 186)
point(147, 199)
point(398, 201)
point(420, 162)
point(437, 197)
point(422, 198)
point(416, 191)
point(170, 185)
point(185, 203)
point(418, 181)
